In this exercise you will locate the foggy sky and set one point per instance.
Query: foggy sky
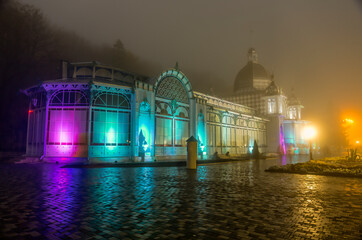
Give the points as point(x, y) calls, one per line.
point(312, 46)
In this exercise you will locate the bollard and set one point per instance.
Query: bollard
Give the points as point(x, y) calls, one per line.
point(191, 153)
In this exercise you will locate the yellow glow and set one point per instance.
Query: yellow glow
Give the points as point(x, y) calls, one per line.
point(357, 142)
point(310, 132)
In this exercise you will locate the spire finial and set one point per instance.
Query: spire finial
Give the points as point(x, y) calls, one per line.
point(176, 65)
point(252, 55)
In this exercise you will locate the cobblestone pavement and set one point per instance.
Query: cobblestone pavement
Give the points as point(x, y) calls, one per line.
point(218, 201)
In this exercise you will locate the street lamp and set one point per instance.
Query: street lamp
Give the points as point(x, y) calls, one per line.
point(357, 144)
point(309, 133)
point(346, 124)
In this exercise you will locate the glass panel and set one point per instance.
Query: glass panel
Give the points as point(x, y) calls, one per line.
point(163, 131)
point(218, 137)
point(168, 132)
point(181, 132)
point(159, 131)
point(232, 136)
point(123, 128)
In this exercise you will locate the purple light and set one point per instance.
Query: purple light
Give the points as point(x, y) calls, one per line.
point(281, 140)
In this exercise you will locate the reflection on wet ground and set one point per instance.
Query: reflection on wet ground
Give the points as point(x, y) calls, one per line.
point(235, 200)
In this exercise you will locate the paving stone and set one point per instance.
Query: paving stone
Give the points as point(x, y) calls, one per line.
point(220, 201)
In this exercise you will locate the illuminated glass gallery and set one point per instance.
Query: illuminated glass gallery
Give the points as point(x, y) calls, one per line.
point(100, 113)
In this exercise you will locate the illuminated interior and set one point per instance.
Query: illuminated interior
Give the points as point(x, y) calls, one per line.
point(105, 114)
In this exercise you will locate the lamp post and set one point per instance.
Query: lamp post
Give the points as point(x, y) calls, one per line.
point(357, 144)
point(346, 125)
point(310, 132)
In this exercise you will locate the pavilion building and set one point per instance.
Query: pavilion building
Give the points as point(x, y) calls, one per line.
point(98, 113)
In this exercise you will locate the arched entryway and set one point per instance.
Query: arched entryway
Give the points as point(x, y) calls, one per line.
point(173, 96)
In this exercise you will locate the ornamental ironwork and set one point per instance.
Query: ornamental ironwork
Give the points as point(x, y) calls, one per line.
point(112, 100)
point(68, 98)
point(171, 88)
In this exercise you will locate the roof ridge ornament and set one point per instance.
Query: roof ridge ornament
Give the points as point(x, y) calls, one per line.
point(176, 66)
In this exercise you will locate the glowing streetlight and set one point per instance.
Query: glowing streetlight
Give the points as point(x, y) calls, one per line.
point(309, 133)
point(346, 124)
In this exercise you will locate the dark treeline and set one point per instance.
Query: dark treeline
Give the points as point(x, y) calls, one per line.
point(30, 51)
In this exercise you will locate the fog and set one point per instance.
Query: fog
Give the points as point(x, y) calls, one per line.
point(311, 46)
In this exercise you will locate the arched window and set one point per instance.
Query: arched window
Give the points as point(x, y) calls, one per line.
point(68, 98)
point(172, 114)
point(213, 117)
point(111, 100)
point(163, 108)
point(182, 112)
point(84, 72)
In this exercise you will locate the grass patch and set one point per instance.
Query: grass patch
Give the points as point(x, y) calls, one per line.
point(334, 166)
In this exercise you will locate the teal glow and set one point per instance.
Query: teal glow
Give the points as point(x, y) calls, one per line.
point(201, 134)
point(144, 127)
point(111, 136)
point(250, 149)
point(296, 150)
point(111, 139)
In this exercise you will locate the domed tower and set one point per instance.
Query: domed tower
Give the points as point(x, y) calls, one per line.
point(275, 101)
point(252, 75)
point(294, 107)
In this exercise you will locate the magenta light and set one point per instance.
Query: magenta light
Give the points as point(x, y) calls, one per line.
point(281, 140)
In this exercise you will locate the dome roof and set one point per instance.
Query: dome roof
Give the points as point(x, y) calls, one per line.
point(252, 70)
point(293, 100)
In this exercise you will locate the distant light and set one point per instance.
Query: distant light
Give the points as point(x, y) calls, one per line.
point(357, 142)
point(30, 111)
point(348, 120)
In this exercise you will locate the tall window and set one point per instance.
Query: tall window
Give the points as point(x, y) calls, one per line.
point(271, 105)
point(110, 120)
point(181, 132)
point(292, 113)
point(163, 131)
point(281, 106)
point(67, 118)
point(171, 129)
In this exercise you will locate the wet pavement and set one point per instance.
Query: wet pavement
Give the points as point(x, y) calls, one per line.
point(236, 200)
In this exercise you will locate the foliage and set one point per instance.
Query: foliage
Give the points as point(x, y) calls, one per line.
point(352, 155)
point(327, 166)
point(30, 51)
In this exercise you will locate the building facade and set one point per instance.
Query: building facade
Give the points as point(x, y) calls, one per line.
point(255, 87)
point(98, 113)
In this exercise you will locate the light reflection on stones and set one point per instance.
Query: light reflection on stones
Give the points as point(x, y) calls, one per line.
point(233, 200)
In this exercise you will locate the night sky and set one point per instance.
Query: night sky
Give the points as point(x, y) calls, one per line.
point(312, 46)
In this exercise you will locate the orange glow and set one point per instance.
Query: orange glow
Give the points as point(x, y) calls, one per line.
point(352, 124)
point(348, 121)
point(30, 111)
